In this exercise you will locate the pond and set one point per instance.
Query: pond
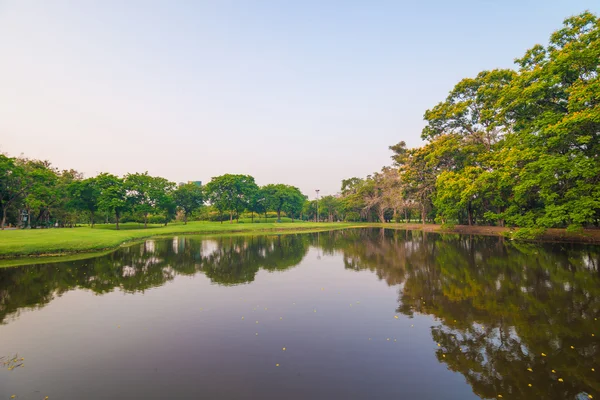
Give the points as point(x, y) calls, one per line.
point(348, 314)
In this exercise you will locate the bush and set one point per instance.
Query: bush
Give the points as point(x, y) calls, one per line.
point(352, 217)
point(448, 226)
point(527, 233)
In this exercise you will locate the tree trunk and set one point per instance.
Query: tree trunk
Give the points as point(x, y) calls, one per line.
point(423, 214)
point(469, 214)
point(231, 217)
point(3, 218)
point(145, 220)
point(406, 215)
point(279, 215)
point(92, 217)
point(185, 218)
point(117, 218)
point(252, 213)
point(381, 215)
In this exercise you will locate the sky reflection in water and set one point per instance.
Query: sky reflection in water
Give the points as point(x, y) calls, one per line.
point(362, 314)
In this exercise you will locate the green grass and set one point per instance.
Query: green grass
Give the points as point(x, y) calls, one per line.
point(45, 242)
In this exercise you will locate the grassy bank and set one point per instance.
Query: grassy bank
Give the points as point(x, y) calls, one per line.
point(83, 239)
point(52, 242)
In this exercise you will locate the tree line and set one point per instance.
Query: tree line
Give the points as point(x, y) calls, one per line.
point(507, 147)
point(35, 194)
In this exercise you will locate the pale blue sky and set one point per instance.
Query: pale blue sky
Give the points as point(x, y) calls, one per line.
point(300, 92)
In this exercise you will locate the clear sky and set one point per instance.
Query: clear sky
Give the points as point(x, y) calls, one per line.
point(299, 92)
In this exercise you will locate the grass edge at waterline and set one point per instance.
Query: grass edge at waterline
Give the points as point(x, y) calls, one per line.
point(84, 242)
point(68, 241)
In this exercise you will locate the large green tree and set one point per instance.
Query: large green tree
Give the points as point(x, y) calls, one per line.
point(188, 197)
point(148, 194)
point(280, 197)
point(14, 184)
point(113, 195)
point(231, 193)
point(84, 196)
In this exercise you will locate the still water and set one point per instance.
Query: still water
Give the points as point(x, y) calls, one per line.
point(352, 314)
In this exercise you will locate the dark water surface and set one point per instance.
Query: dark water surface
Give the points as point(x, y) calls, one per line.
point(362, 314)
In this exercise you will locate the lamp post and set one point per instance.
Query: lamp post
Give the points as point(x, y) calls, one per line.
point(317, 216)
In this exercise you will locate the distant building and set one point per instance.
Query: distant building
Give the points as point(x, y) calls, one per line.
point(197, 183)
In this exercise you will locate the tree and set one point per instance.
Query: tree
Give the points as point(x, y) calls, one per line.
point(84, 196)
point(351, 201)
point(43, 193)
point(471, 110)
point(258, 203)
point(231, 193)
point(189, 198)
point(167, 205)
point(281, 197)
point(113, 195)
point(294, 205)
point(330, 205)
point(14, 184)
point(147, 192)
point(554, 106)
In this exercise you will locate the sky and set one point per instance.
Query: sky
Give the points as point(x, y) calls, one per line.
point(305, 93)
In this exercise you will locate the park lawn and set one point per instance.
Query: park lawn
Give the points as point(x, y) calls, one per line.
point(85, 239)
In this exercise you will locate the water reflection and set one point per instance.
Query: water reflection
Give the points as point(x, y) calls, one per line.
point(225, 260)
point(520, 321)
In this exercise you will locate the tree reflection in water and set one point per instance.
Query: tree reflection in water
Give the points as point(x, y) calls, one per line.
point(498, 305)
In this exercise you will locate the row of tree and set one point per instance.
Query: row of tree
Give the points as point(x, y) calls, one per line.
point(34, 194)
point(518, 147)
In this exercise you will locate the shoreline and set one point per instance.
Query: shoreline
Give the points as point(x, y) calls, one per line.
point(50, 244)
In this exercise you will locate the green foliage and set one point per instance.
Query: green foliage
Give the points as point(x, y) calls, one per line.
point(233, 193)
point(84, 196)
point(113, 195)
point(527, 233)
point(280, 197)
point(189, 197)
point(507, 147)
point(148, 194)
